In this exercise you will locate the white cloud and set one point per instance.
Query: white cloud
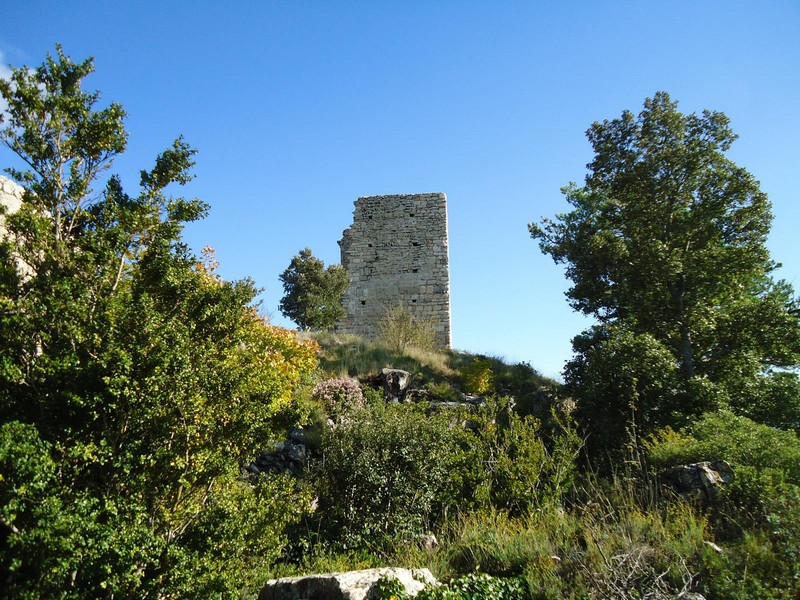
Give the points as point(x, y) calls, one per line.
point(5, 73)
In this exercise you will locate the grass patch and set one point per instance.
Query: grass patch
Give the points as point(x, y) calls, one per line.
point(352, 356)
point(585, 552)
point(444, 372)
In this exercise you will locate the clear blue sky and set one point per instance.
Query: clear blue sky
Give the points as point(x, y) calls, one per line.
point(297, 108)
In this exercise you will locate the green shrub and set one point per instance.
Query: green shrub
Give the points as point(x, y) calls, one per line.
point(386, 474)
point(390, 588)
point(513, 467)
point(491, 542)
point(595, 551)
point(756, 517)
point(443, 392)
point(58, 531)
point(477, 586)
point(772, 399)
point(477, 377)
point(391, 472)
point(750, 569)
point(723, 435)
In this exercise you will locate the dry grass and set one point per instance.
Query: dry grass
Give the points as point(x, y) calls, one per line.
point(347, 355)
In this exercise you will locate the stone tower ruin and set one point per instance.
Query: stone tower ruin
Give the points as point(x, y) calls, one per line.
point(396, 252)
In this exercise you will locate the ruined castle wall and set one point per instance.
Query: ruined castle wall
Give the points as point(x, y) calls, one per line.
point(396, 251)
point(10, 198)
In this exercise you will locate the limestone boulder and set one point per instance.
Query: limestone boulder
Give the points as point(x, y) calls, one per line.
point(352, 585)
point(395, 384)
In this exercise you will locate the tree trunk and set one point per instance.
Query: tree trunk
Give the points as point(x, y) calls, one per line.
point(685, 350)
point(686, 353)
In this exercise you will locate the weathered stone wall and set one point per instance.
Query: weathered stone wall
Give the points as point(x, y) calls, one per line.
point(10, 198)
point(396, 251)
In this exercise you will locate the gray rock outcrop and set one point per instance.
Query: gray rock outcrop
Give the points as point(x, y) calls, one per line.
point(699, 481)
point(10, 199)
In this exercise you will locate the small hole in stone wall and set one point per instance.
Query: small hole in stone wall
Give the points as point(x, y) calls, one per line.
point(370, 245)
point(413, 301)
point(411, 215)
point(415, 244)
point(363, 302)
point(414, 270)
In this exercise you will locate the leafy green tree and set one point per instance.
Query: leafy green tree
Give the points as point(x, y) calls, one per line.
point(665, 247)
point(132, 378)
point(313, 294)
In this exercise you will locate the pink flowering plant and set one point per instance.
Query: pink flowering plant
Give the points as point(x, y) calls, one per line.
point(339, 394)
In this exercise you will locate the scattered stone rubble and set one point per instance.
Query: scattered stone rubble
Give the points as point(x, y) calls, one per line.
point(289, 456)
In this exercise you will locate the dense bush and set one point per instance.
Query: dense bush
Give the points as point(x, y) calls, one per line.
point(511, 466)
point(776, 401)
point(477, 585)
point(724, 435)
point(757, 516)
point(392, 472)
point(469, 587)
point(387, 474)
point(607, 547)
point(757, 519)
point(477, 377)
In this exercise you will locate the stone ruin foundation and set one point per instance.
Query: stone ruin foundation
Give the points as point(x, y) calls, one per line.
point(396, 252)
